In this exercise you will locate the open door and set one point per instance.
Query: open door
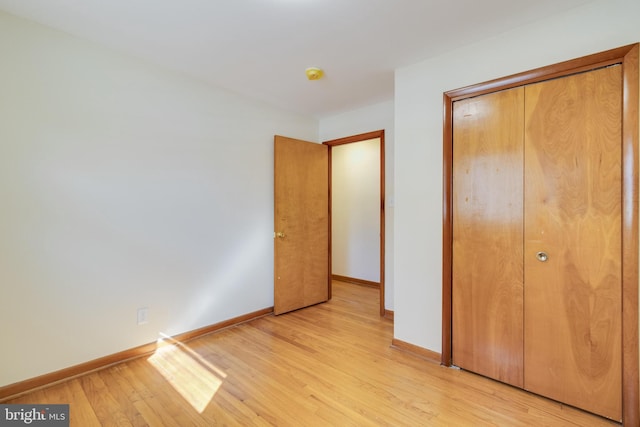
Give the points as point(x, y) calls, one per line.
point(301, 221)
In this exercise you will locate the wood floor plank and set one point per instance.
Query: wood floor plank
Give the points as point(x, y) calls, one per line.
point(107, 409)
point(155, 392)
point(326, 365)
point(123, 394)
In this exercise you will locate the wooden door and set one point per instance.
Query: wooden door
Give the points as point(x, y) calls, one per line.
point(573, 214)
point(487, 235)
point(301, 221)
point(585, 148)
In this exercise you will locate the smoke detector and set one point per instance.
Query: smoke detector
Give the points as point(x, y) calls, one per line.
point(314, 73)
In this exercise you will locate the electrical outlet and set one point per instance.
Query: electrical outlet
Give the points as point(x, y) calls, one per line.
point(143, 315)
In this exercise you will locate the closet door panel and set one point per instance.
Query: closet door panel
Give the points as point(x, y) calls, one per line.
point(487, 272)
point(572, 308)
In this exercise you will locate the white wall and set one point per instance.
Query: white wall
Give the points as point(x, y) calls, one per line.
point(122, 186)
point(592, 28)
point(355, 210)
point(367, 119)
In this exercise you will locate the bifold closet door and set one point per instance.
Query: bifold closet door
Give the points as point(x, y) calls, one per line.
point(572, 250)
point(487, 254)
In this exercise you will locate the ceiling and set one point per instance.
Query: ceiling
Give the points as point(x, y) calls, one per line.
point(260, 48)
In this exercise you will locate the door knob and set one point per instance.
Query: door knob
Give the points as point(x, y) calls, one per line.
point(279, 234)
point(542, 256)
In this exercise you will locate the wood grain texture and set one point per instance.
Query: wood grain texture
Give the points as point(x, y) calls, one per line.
point(416, 350)
point(630, 318)
point(15, 389)
point(560, 69)
point(573, 176)
point(301, 186)
point(355, 281)
point(330, 364)
point(447, 227)
point(487, 235)
point(627, 56)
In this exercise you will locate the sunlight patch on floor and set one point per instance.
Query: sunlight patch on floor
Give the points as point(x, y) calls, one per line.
point(189, 374)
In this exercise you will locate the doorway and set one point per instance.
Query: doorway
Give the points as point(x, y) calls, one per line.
point(351, 230)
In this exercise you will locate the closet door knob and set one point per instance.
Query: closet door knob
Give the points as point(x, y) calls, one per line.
point(542, 256)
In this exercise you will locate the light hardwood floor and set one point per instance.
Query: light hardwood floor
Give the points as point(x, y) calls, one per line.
point(327, 365)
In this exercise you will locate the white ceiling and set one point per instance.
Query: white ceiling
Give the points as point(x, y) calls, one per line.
point(260, 48)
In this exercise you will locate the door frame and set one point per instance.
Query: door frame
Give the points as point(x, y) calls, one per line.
point(627, 57)
point(348, 140)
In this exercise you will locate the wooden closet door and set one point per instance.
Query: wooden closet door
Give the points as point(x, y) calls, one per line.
point(487, 268)
point(572, 309)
